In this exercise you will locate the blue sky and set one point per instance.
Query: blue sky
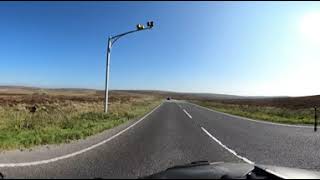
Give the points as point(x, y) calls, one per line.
point(242, 48)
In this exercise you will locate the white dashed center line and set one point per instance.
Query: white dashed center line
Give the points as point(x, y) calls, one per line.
point(187, 114)
point(225, 147)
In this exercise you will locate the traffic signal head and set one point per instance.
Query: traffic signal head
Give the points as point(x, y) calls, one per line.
point(140, 27)
point(150, 24)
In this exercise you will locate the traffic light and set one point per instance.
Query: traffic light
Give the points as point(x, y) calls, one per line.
point(140, 27)
point(150, 24)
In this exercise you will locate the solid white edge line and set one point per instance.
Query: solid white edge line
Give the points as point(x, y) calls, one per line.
point(225, 147)
point(187, 114)
point(244, 118)
point(77, 152)
point(240, 157)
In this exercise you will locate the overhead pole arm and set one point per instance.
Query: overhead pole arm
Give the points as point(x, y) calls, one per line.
point(116, 37)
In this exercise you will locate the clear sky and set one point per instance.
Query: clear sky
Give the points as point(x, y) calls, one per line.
point(242, 48)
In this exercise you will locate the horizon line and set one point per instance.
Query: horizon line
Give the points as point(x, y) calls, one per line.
point(171, 91)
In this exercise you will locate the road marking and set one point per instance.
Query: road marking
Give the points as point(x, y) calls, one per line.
point(228, 149)
point(77, 152)
point(240, 157)
point(187, 113)
point(257, 121)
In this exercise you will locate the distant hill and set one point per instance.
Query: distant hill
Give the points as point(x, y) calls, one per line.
point(179, 95)
point(23, 90)
point(17, 90)
point(200, 96)
point(30, 90)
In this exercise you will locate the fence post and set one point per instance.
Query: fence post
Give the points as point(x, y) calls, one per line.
point(315, 118)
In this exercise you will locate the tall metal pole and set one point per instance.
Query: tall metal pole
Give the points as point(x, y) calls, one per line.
point(107, 75)
point(112, 40)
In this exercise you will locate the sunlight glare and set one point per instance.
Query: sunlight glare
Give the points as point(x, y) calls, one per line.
point(310, 26)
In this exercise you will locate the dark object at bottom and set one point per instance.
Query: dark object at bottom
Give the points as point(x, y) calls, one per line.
point(220, 170)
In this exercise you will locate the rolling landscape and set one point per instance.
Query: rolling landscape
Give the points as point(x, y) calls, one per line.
point(126, 90)
point(34, 116)
point(65, 114)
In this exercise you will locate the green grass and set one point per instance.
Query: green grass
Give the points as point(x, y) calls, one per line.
point(62, 122)
point(273, 114)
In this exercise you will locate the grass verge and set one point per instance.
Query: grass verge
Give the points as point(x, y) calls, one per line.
point(266, 113)
point(62, 122)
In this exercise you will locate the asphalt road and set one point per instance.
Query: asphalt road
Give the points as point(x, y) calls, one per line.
point(177, 133)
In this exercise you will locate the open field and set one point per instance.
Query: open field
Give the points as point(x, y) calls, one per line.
point(290, 110)
point(298, 110)
point(280, 102)
point(63, 115)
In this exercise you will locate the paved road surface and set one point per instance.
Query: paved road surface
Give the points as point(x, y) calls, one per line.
point(178, 133)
